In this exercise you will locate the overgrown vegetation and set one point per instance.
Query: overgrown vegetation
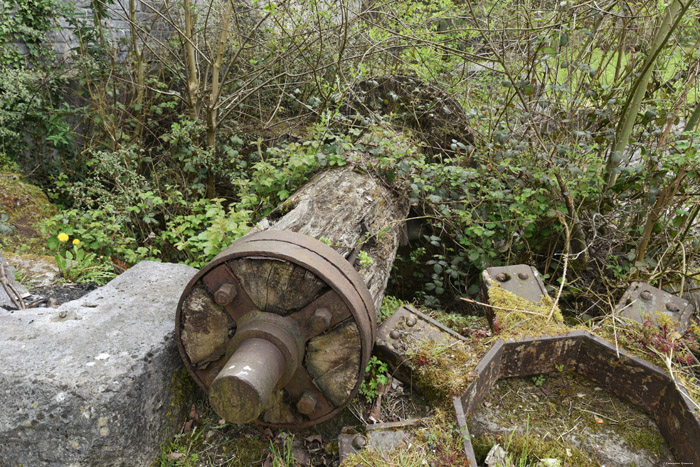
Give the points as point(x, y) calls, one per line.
point(559, 134)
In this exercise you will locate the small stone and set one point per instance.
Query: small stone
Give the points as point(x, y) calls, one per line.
point(394, 334)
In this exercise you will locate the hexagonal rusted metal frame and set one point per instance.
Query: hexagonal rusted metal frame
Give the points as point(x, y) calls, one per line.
point(645, 385)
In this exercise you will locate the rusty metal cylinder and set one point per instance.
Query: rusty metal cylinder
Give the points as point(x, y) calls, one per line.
point(243, 387)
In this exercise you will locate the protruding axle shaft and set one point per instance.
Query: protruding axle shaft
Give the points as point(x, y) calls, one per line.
point(243, 387)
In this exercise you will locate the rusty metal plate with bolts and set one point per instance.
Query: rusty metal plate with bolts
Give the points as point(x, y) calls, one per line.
point(406, 326)
point(642, 301)
point(520, 279)
point(381, 436)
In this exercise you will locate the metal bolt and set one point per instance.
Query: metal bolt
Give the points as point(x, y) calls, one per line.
point(523, 276)
point(359, 441)
point(225, 294)
point(307, 403)
point(62, 314)
point(672, 307)
point(394, 334)
point(411, 321)
point(646, 295)
point(502, 277)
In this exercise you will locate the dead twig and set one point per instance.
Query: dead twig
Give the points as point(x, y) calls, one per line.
point(10, 290)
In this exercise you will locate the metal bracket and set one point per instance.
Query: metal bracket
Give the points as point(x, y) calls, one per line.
point(408, 325)
point(520, 279)
point(642, 301)
point(381, 436)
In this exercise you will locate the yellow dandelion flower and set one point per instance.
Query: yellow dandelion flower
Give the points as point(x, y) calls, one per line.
point(62, 237)
point(76, 241)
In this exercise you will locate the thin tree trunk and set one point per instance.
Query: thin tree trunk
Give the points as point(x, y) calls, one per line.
point(192, 75)
point(672, 16)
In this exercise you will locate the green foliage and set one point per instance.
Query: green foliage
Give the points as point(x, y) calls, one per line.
point(364, 259)
point(6, 228)
point(375, 377)
point(127, 208)
point(283, 456)
point(31, 117)
point(206, 230)
point(389, 306)
point(77, 265)
point(25, 23)
point(538, 380)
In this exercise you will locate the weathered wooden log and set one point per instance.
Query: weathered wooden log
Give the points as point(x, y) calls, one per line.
point(279, 327)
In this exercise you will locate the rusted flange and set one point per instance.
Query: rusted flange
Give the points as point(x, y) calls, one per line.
point(277, 329)
point(643, 384)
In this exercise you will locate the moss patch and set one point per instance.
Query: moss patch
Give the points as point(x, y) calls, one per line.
point(444, 370)
point(26, 206)
point(183, 393)
point(517, 317)
point(557, 414)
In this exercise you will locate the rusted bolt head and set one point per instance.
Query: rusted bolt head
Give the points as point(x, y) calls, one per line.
point(523, 276)
point(359, 441)
point(411, 321)
point(646, 295)
point(502, 277)
point(672, 307)
point(394, 334)
point(321, 319)
point(307, 403)
point(225, 294)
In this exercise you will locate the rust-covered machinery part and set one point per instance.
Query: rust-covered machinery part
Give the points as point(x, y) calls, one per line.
point(277, 329)
point(641, 383)
point(642, 301)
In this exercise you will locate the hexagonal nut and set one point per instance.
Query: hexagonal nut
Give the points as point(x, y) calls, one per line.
point(225, 295)
point(307, 403)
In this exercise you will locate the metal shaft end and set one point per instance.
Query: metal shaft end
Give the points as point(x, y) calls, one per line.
point(243, 387)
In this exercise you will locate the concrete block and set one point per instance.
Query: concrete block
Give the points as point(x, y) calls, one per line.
point(97, 381)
